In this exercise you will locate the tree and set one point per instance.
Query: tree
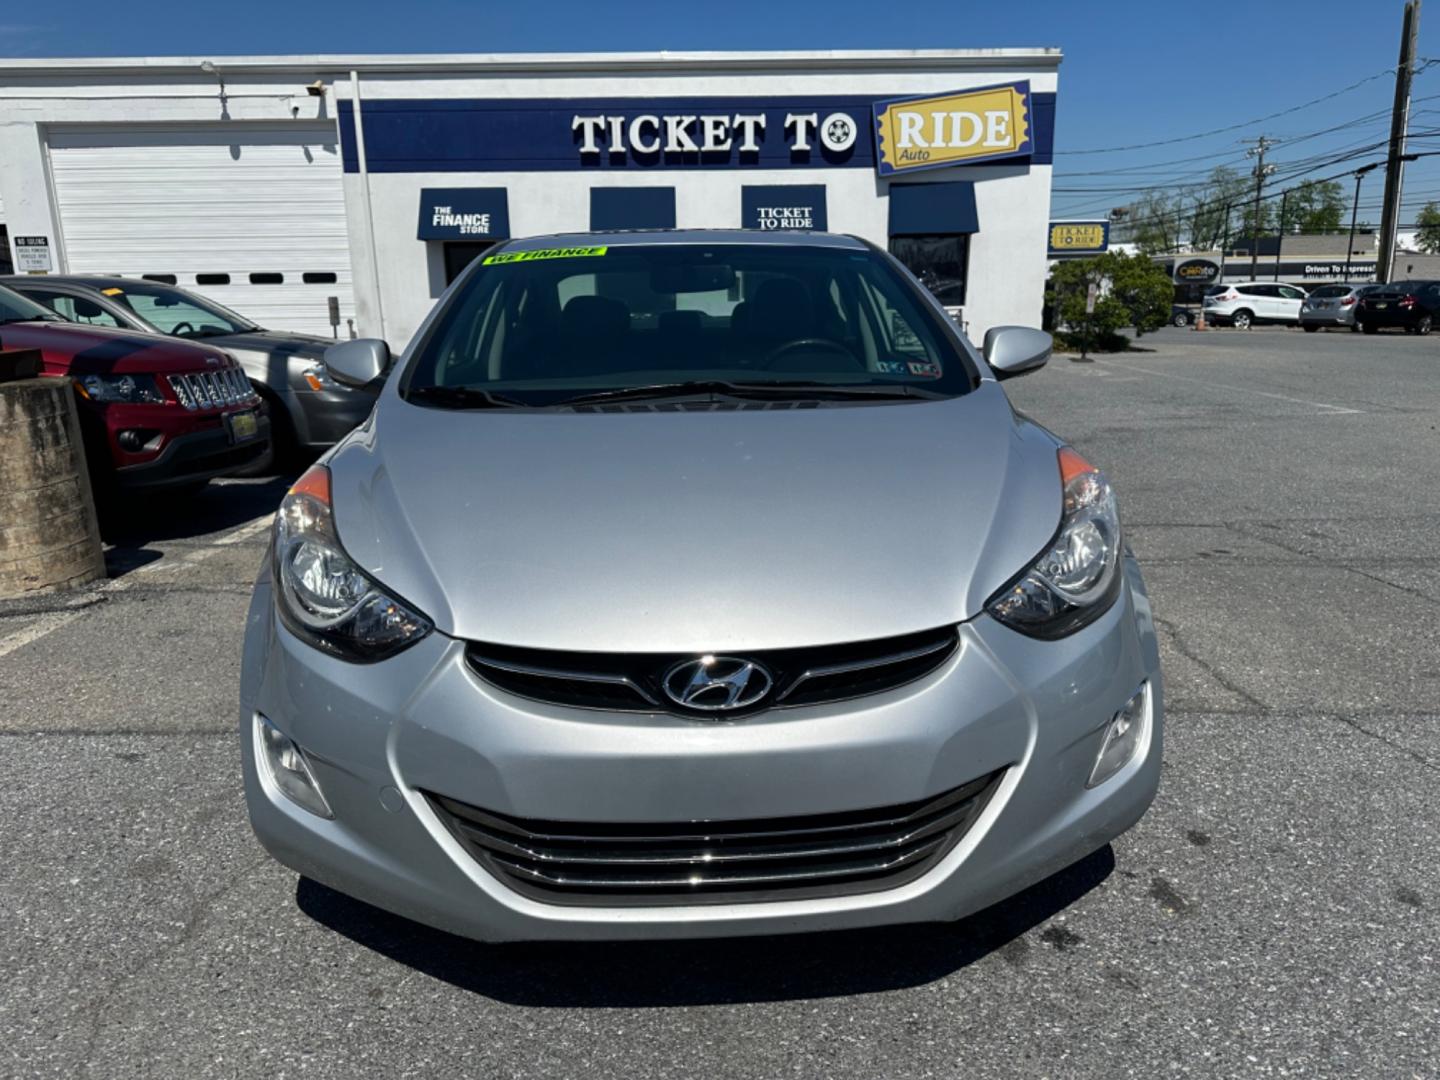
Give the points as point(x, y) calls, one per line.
point(1427, 229)
point(1157, 220)
point(1314, 207)
point(1134, 292)
point(1213, 204)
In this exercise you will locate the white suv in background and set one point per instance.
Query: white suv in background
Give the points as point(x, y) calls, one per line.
point(1245, 303)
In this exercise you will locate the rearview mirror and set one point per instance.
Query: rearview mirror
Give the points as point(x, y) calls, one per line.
point(357, 362)
point(1016, 350)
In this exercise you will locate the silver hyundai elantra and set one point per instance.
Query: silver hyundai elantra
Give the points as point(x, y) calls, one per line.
point(691, 584)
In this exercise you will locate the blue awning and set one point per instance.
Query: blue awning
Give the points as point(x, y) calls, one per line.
point(464, 214)
point(782, 206)
point(632, 208)
point(933, 209)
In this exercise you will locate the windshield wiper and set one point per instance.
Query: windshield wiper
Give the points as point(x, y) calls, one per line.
point(761, 391)
point(461, 397)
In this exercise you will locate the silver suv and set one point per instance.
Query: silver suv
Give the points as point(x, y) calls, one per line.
point(1333, 305)
point(1243, 304)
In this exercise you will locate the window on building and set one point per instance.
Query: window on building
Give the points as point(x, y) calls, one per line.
point(940, 262)
point(461, 253)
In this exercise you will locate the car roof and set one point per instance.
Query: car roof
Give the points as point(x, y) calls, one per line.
point(96, 281)
point(635, 237)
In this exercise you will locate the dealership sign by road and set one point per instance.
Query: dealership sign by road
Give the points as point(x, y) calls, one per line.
point(1078, 238)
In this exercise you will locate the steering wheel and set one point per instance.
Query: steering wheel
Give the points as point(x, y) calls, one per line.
point(811, 344)
point(190, 327)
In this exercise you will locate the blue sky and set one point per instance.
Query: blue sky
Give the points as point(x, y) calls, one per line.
point(1137, 71)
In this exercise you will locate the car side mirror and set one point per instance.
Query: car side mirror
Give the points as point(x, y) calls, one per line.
point(358, 362)
point(1016, 350)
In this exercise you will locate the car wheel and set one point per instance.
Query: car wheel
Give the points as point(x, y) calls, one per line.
point(1180, 319)
point(1369, 328)
point(1425, 325)
point(267, 463)
point(1242, 319)
point(1310, 327)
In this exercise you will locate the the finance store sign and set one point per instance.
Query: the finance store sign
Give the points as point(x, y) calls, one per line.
point(891, 135)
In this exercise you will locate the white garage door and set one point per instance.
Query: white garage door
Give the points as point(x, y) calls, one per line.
point(251, 215)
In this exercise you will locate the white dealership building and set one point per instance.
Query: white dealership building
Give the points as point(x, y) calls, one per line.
point(291, 187)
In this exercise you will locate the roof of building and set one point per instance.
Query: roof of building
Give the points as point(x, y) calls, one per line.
point(569, 63)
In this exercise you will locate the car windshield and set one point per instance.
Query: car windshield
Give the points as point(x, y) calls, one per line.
point(544, 327)
point(1326, 292)
point(17, 308)
point(175, 311)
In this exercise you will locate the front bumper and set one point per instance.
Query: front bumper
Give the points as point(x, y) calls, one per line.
point(377, 736)
point(194, 456)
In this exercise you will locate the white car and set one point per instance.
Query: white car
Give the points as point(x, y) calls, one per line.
point(1242, 304)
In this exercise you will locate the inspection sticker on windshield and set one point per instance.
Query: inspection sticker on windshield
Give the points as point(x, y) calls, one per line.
point(544, 253)
point(928, 371)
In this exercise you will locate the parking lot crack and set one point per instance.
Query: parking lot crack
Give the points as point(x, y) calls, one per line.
point(194, 919)
point(1180, 645)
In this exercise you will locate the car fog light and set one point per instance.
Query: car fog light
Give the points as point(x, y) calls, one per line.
point(288, 768)
point(1123, 736)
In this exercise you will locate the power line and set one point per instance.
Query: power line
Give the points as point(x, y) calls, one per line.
point(1419, 67)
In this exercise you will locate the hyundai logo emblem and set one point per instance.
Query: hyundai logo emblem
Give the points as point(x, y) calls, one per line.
point(716, 683)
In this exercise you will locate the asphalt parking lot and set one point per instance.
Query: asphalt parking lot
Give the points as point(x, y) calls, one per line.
point(1277, 913)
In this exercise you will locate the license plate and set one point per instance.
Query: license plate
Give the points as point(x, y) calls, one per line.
point(1381, 307)
point(243, 426)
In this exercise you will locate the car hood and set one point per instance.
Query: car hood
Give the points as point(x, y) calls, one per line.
point(273, 343)
point(695, 531)
point(99, 350)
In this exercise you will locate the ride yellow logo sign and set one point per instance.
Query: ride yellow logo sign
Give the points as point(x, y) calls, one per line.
point(969, 125)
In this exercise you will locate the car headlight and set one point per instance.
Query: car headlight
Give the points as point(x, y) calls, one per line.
point(1077, 576)
point(322, 596)
point(131, 389)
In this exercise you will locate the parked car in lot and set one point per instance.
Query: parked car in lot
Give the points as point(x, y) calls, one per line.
point(1333, 305)
point(306, 409)
point(691, 584)
point(1182, 314)
point(1244, 304)
point(1411, 305)
point(154, 412)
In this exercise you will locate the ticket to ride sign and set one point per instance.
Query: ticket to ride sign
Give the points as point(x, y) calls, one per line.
point(1078, 237)
point(951, 129)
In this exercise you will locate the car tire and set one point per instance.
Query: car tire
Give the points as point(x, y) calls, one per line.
point(1424, 325)
point(1309, 327)
point(1180, 319)
point(273, 457)
point(1369, 328)
point(1242, 320)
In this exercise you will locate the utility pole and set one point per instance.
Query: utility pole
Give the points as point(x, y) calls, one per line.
point(1399, 127)
point(1258, 152)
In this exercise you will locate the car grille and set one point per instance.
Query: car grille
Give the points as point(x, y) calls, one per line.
point(712, 862)
point(633, 682)
point(212, 389)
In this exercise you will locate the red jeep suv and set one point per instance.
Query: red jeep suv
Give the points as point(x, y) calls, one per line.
point(155, 412)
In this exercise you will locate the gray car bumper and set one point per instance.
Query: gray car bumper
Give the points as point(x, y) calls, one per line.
point(377, 735)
